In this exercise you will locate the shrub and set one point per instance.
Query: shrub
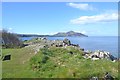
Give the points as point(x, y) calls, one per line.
point(10, 40)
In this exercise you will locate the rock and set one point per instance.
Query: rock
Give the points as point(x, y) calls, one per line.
point(82, 49)
point(114, 61)
point(45, 46)
point(52, 44)
point(75, 45)
point(84, 53)
point(70, 52)
point(44, 38)
point(99, 55)
point(112, 57)
point(103, 55)
point(95, 58)
point(108, 76)
point(94, 78)
point(86, 56)
point(66, 41)
point(57, 43)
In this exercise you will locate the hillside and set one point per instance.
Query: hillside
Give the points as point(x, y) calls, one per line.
point(70, 34)
point(44, 58)
point(59, 34)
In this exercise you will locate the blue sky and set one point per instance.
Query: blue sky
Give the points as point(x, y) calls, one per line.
point(91, 18)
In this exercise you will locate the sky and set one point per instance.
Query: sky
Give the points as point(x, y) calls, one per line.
point(90, 18)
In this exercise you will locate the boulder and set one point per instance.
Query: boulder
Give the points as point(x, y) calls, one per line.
point(112, 57)
point(84, 53)
point(66, 41)
point(101, 54)
point(82, 49)
point(94, 78)
point(75, 45)
point(52, 44)
point(43, 38)
point(108, 76)
point(95, 58)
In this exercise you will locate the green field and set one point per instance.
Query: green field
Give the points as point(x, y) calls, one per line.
point(18, 66)
point(54, 63)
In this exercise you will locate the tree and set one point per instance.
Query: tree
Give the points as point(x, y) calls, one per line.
point(10, 40)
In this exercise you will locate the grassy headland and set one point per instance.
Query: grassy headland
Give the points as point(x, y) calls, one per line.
point(40, 60)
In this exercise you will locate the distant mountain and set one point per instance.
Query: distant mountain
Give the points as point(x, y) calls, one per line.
point(70, 34)
point(60, 34)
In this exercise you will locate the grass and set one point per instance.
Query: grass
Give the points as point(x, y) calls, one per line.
point(54, 63)
point(34, 40)
point(18, 66)
point(65, 65)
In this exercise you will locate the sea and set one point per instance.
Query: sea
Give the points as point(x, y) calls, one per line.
point(92, 43)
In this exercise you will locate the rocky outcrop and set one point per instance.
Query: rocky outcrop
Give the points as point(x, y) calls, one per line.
point(99, 55)
point(43, 42)
point(63, 43)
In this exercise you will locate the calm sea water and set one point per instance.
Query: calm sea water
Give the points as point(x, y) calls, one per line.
point(107, 43)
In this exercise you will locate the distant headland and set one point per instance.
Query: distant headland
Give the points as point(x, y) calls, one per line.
point(59, 34)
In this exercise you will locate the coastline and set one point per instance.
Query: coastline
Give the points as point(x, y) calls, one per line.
point(97, 54)
point(92, 43)
point(62, 56)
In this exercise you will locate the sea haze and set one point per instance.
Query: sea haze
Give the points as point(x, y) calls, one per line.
point(106, 43)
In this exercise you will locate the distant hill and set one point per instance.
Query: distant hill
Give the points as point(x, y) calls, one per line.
point(59, 34)
point(70, 34)
point(32, 35)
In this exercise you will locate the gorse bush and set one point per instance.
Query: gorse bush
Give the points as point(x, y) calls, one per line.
point(10, 40)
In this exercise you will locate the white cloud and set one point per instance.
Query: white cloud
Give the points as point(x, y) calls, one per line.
point(81, 6)
point(10, 28)
point(0, 29)
point(95, 19)
point(81, 31)
point(50, 33)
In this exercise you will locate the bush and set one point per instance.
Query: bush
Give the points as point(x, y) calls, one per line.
point(44, 59)
point(10, 40)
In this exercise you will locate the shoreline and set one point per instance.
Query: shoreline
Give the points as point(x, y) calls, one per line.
point(94, 55)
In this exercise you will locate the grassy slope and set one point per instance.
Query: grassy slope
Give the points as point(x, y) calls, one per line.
point(18, 66)
point(64, 65)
